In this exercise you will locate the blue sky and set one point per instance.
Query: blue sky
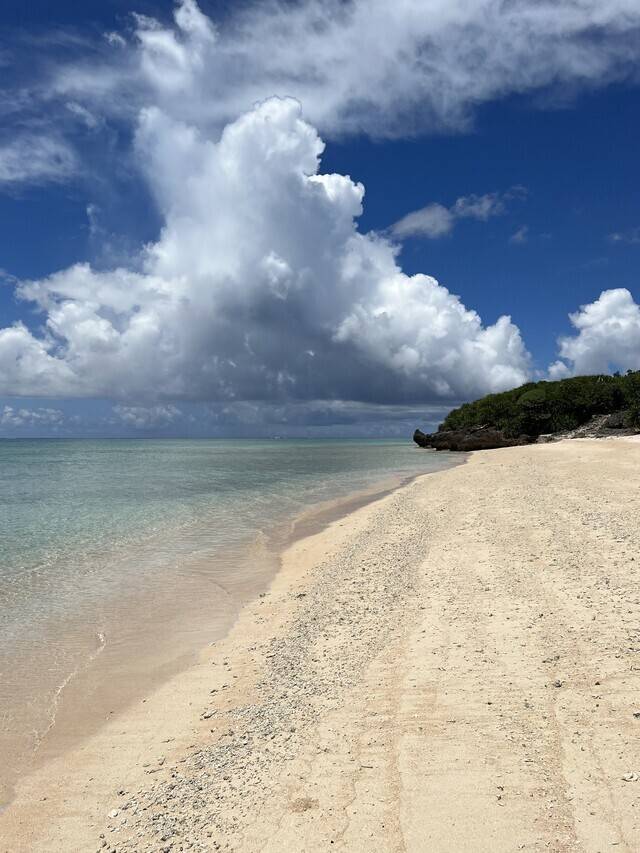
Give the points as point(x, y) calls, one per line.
point(270, 332)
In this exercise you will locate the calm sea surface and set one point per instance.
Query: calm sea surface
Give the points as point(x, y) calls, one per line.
point(125, 554)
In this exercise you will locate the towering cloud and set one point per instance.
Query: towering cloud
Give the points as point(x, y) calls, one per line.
point(260, 287)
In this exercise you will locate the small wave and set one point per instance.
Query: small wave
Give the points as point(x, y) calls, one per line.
point(52, 710)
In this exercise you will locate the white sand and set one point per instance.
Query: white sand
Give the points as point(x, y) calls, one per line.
point(452, 668)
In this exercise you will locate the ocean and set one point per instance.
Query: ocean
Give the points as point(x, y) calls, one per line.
point(120, 558)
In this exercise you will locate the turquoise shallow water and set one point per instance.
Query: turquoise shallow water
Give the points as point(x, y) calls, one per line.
point(107, 544)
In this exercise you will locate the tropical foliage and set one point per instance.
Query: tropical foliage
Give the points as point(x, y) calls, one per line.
point(543, 407)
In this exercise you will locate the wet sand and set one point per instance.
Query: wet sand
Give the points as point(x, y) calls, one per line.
point(453, 667)
point(150, 638)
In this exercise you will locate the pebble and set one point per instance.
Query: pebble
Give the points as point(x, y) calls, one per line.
point(216, 786)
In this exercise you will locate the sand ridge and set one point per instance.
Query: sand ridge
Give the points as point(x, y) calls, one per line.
point(452, 668)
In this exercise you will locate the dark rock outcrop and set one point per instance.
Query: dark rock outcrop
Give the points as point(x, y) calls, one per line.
point(473, 438)
point(489, 437)
point(421, 438)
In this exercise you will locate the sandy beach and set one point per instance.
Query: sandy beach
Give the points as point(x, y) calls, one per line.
point(454, 667)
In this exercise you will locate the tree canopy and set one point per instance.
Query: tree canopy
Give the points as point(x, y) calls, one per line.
point(544, 407)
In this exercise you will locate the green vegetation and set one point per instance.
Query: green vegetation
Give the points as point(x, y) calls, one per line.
point(542, 407)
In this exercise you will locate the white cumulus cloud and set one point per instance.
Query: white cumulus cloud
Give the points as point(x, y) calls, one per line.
point(435, 220)
point(147, 417)
point(260, 287)
point(10, 416)
point(608, 337)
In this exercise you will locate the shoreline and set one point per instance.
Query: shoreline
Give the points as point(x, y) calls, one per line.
point(422, 673)
point(108, 686)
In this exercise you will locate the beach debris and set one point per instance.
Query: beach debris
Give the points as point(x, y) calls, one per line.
point(630, 777)
point(114, 813)
point(558, 682)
